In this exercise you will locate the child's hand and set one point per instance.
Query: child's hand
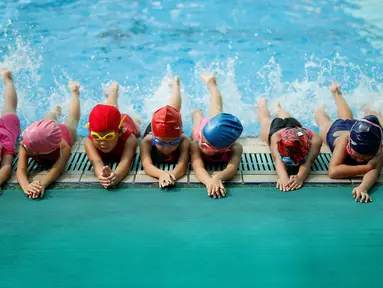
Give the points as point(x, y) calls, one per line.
point(103, 178)
point(283, 184)
point(295, 182)
point(361, 194)
point(335, 87)
point(215, 187)
point(166, 180)
point(113, 179)
point(34, 190)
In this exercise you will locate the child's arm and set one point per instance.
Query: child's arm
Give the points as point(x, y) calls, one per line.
point(283, 176)
point(232, 167)
point(56, 169)
point(198, 165)
point(94, 157)
point(360, 193)
point(182, 165)
point(6, 168)
point(296, 181)
point(22, 177)
point(126, 160)
point(337, 169)
point(165, 178)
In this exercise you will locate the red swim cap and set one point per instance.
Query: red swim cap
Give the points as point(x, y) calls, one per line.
point(294, 143)
point(104, 118)
point(167, 122)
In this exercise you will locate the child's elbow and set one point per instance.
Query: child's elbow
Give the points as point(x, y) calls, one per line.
point(333, 174)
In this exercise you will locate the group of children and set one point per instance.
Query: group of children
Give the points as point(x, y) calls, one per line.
point(355, 144)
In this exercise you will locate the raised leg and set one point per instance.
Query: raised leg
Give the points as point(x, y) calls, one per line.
point(343, 110)
point(216, 104)
point(175, 98)
point(10, 96)
point(112, 94)
point(197, 118)
point(323, 121)
point(264, 119)
point(282, 113)
point(74, 110)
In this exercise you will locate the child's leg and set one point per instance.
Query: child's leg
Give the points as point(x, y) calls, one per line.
point(264, 119)
point(112, 94)
point(54, 114)
point(10, 96)
point(216, 105)
point(282, 113)
point(175, 99)
point(323, 121)
point(197, 118)
point(74, 110)
point(343, 110)
point(137, 123)
point(372, 112)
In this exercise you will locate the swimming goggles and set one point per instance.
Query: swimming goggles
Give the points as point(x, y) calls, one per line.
point(156, 141)
point(288, 161)
point(205, 146)
point(108, 137)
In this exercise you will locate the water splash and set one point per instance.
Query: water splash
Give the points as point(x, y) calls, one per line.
point(361, 87)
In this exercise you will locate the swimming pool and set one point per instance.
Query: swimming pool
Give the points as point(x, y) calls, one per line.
point(283, 50)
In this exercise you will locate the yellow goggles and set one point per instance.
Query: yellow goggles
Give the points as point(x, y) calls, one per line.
point(108, 137)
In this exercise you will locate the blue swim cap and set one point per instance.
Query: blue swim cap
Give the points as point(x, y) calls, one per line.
point(222, 130)
point(365, 137)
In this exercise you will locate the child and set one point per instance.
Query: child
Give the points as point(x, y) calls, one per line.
point(290, 145)
point(164, 141)
point(355, 145)
point(112, 138)
point(49, 144)
point(214, 141)
point(9, 127)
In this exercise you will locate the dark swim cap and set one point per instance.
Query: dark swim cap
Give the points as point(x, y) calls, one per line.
point(366, 135)
point(222, 130)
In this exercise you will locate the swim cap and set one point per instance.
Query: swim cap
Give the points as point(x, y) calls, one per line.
point(104, 117)
point(222, 130)
point(43, 136)
point(294, 143)
point(167, 122)
point(1, 151)
point(366, 135)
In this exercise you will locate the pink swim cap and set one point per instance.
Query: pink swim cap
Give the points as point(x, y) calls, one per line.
point(43, 136)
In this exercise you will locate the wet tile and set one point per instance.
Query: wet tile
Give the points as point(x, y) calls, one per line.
point(128, 179)
point(144, 179)
point(88, 177)
point(70, 177)
point(324, 179)
point(258, 179)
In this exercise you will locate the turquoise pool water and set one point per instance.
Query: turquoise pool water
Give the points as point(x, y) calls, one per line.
point(283, 50)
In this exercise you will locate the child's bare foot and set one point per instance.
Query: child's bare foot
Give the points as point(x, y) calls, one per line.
point(371, 112)
point(57, 109)
point(113, 88)
point(6, 73)
point(335, 88)
point(261, 103)
point(74, 87)
point(209, 79)
point(197, 113)
point(174, 81)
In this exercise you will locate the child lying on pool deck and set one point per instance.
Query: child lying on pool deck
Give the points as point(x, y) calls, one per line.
point(214, 141)
point(355, 145)
point(290, 145)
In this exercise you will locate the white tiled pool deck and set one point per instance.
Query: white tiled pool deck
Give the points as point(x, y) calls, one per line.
point(138, 176)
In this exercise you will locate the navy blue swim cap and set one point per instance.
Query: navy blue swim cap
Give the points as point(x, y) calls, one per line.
point(365, 137)
point(222, 130)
